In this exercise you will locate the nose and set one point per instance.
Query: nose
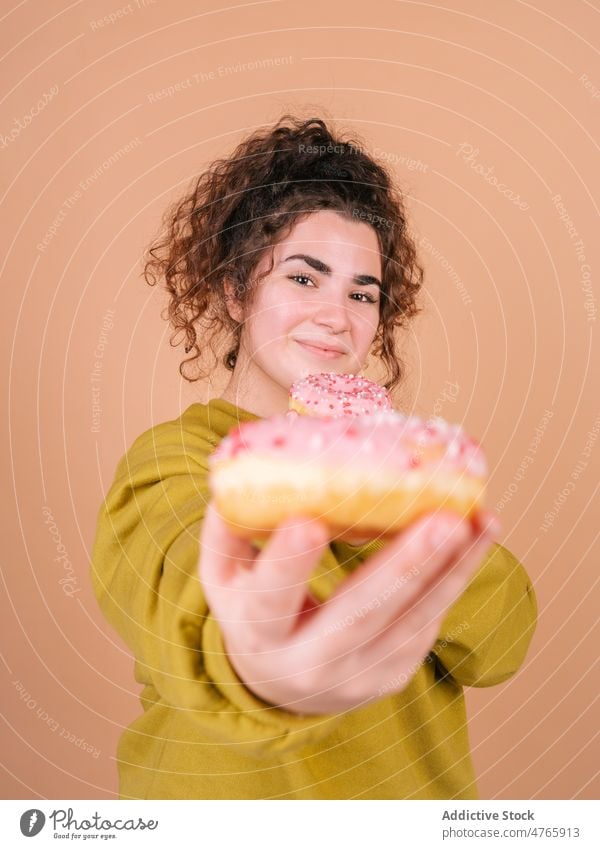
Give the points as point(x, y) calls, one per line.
point(332, 312)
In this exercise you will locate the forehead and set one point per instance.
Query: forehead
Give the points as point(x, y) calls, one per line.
point(348, 246)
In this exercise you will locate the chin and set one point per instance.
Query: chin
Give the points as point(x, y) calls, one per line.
point(300, 364)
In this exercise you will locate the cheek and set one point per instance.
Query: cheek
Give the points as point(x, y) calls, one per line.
point(364, 327)
point(271, 321)
point(279, 313)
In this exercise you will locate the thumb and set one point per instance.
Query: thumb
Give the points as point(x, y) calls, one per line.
point(278, 578)
point(223, 554)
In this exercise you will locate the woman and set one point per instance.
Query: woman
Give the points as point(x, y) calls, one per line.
point(297, 247)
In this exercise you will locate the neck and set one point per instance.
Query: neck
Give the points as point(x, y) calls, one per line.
point(251, 390)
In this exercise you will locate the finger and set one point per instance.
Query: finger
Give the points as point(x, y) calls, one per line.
point(404, 643)
point(277, 585)
point(222, 554)
point(446, 586)
point(452, 581)
point(487, 521)
point(388, 660)
point(391, 580)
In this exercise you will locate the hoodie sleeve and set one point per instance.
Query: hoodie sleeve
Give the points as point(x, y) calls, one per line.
point(486, 633)
point(146, 579)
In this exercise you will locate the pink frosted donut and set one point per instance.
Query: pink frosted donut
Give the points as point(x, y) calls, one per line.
point(331, 395)
point(369, 475)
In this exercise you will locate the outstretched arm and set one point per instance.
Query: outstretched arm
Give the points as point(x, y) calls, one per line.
point(145, 576)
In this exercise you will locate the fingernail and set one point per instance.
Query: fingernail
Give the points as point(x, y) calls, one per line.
point(304, 533)
point(298, 532)
point(493, 527)
point(315, 534)
point(449, 532)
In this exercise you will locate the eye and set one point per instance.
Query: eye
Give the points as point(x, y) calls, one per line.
point(301, 276)
point(369, 299)
point(363, 297)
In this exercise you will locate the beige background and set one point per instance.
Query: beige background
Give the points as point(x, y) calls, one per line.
point(508, 321)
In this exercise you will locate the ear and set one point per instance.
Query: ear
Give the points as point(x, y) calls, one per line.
point(234, 308)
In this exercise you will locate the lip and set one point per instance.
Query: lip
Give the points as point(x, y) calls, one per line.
point(321, 351)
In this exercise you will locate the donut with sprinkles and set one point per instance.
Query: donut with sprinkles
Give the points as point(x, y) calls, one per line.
point(365, 475)
point(331, 395)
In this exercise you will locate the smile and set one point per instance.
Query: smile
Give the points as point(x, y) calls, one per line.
point(325, 353)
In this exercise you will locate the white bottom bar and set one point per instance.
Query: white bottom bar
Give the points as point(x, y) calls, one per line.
point(296, 825)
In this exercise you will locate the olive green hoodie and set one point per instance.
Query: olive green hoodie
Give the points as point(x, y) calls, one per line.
point(203, 734)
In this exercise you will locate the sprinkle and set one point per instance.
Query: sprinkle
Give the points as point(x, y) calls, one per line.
point(344, 394)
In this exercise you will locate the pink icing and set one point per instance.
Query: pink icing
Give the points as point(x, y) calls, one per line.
point(386, 440)
point(331, 395)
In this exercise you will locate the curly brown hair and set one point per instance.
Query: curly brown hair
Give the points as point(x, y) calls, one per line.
point(245, 203)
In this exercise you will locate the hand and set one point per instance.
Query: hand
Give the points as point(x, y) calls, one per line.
point(381, 622)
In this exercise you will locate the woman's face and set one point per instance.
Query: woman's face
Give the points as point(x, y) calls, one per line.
point(317, 310)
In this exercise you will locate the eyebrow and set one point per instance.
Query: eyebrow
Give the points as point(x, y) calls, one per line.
point(318, 265)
